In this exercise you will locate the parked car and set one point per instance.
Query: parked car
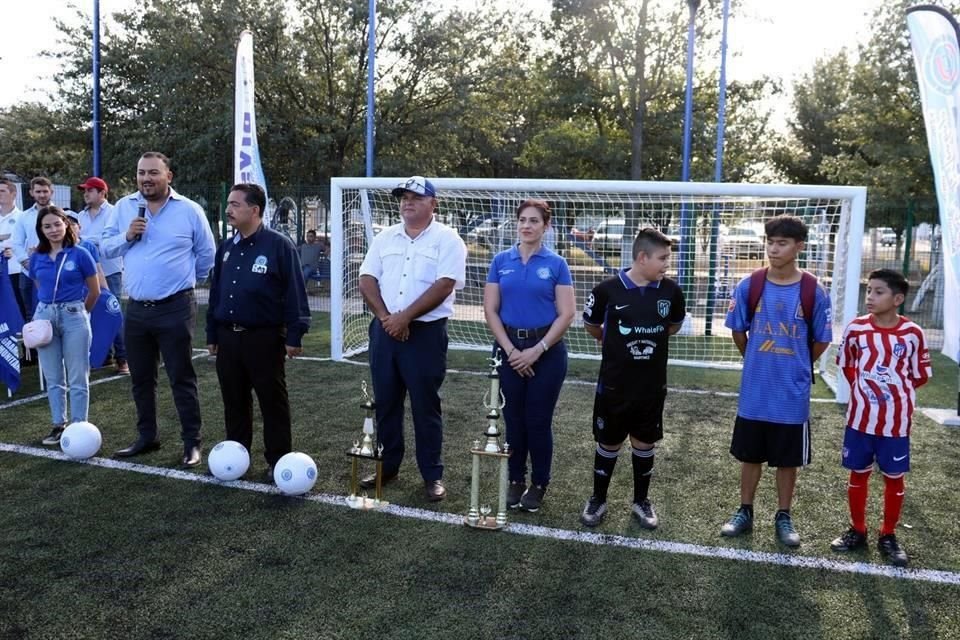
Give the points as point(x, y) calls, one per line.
point(490, 233)
point(742, 242)
point(608, 237)
point(887, 236)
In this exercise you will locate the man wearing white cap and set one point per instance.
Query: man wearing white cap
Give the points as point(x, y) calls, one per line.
point(408, 279)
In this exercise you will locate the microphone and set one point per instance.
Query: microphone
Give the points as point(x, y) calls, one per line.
point(141, 213)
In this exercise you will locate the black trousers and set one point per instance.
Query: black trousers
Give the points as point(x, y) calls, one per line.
point(164, 329)
point(255, 359)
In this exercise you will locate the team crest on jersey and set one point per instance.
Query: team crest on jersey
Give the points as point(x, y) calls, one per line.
point(259, 265)
point(899, 349)
point(663, 308)
point(113, 305)
point(543, 273)
point(69, 265)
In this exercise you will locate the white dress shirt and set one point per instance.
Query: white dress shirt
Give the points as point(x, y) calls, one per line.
point(406, 267)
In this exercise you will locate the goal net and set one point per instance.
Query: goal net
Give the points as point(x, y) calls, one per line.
point(718, 240)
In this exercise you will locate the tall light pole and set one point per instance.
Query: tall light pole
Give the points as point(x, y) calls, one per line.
point(371, 69)
point(718, 171)
point(96, 88)
point(686, 228)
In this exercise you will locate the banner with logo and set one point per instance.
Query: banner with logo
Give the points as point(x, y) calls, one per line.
point(935, 38)
point(11, 323)
point(246, 161)
point(106, 319)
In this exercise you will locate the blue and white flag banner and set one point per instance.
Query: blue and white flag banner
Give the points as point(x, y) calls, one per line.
point(246, 162)
point(106, 320)
point(11, 323)
point(935, 38)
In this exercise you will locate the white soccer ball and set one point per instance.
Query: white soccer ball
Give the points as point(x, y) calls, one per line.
point(80, 440)
point(228, 460)
point(295, 473)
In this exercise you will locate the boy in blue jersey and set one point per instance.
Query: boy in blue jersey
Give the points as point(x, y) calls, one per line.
point(773, 412)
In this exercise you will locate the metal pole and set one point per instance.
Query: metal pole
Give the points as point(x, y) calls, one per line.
point(96, 88)
point(686, 270)
point(718, 171)
point(371, 67)
point(907, 245)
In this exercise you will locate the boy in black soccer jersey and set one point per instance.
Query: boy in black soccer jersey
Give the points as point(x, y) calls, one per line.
point(632, 314)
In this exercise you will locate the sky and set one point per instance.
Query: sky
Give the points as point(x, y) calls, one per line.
point(779, 38)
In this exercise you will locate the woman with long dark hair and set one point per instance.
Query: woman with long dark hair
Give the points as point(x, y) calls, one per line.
point(67, 288)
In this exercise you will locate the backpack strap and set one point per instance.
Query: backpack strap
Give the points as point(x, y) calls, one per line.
point(808, 300)
point(757, 280)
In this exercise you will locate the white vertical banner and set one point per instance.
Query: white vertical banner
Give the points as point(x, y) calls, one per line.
point(246, 160)
point(935, 38)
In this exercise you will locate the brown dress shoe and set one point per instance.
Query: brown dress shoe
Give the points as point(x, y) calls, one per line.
point(434, 491)
point(370, 481)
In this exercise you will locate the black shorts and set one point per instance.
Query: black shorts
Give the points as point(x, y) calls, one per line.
point(640, 416)
point(779, 445)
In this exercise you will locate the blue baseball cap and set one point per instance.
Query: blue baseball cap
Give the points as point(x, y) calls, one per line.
point(418, 185)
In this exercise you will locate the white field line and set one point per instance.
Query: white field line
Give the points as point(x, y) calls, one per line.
point(722, 553)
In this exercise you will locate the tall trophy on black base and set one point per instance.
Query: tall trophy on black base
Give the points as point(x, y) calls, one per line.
point(366, 447)
point(479, 514)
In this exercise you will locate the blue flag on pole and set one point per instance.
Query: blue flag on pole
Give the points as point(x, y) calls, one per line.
point(105, 321)
point(11, 323)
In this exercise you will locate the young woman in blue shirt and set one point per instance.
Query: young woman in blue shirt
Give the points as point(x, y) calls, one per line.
point(65, 276)
point(528, 302)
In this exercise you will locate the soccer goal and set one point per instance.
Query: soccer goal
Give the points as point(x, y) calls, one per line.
point(717, 231)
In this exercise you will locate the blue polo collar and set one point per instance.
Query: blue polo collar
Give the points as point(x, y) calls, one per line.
point(515, 252)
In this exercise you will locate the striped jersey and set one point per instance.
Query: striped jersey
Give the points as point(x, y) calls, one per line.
point(884, 367)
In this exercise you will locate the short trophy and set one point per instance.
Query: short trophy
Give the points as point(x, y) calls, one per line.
point(493, 401)
point(366, 447)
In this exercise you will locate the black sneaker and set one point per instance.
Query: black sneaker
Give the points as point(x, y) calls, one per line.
point(852, 540)
point(892, 551)
point(645, 514)
point(53, 438)
point(593, 512)
point(532, 498)
point(515, 493)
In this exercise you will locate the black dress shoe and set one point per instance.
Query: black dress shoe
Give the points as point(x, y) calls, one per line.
point(434, 491)
point(138, 447)
point(370, 481)
point(191, 455)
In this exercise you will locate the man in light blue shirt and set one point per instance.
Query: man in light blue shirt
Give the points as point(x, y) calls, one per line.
point(167, 246)
point(24, 240)
point(92, 219)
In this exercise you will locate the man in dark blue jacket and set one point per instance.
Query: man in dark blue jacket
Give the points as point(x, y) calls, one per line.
point(256, 318)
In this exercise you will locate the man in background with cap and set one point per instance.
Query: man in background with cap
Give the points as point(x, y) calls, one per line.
point(407, 279)
point(92, 219)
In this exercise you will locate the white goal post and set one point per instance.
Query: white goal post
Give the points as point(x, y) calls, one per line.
point(717, 229)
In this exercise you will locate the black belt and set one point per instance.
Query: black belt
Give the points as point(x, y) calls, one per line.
point(528, 334)
point(427, 323)
point(232, 326)
point(170, 298)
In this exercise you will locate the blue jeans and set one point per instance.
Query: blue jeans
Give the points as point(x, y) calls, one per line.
point(115, 284)
point(68, 350)
point(28, 292)
point(528, 412)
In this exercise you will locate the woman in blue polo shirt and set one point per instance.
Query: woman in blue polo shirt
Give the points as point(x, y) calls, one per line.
point(67, 288)
point(528, 302)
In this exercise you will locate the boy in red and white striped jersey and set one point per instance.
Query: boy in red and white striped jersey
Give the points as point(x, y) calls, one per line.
point(884, 357)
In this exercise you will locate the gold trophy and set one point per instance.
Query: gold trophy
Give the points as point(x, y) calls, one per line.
point(366, 447)
point(493, 401)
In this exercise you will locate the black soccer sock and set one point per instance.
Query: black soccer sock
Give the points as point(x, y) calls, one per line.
point(748, 508)
point(603, 463)
point(642, 470)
